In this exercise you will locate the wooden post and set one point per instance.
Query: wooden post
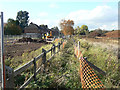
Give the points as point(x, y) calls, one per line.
point(58, 46)
point(54, 48)
point(61, 42)
point(51, 50)
point(9, 77)
point(78, 48)
point(78, 45)
point(34, 62)
point(44, 59)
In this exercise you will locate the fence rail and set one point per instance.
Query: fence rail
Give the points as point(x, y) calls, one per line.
point(10, 73)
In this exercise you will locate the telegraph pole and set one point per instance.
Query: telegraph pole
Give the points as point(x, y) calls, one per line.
point(2, 52)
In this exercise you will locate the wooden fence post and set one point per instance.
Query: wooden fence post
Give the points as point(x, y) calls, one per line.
point(78, 48)
point(44, 59)
point(58, 46)
point(9, 77)
point(54, 48)
point(61, 42)
point(34, 62)
point(78, 45)
point(51, 50)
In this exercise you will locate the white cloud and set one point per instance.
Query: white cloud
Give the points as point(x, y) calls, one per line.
point(50, 23)
point(43, 14)
point(101, 16)
point(53, 5)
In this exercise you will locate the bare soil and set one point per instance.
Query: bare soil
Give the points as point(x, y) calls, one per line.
point(17, 49)
point(114, 34)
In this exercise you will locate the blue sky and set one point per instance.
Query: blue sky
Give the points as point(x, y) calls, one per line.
point(101, 14)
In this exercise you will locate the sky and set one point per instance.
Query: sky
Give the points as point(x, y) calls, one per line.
point(93, 13)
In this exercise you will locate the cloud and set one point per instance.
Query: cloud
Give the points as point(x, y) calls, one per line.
point(43, 14)
point(50, 23)
point(53, 5)
point(101, 16)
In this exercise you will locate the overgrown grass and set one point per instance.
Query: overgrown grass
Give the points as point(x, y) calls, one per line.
point(61, 71)
point(104, 59)
point(19, 61)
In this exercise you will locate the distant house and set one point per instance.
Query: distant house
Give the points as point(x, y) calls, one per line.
point(34, 29)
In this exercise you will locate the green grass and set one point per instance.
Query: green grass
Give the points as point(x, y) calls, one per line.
point(19, 61)
point(61, 72)
point(104, 59)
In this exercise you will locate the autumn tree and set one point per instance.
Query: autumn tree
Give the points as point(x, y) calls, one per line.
point(12, 27)
point(67, 27)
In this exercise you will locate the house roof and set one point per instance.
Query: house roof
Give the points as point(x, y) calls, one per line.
point(42, 29)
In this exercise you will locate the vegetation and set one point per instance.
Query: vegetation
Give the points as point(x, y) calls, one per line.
point(18, 61)
point(105, 60)
point(22, 17)
point(12, 27)
point(97, 32)
point(61, 72)
point(44, 26)
point(16, 27)
point(67, 27)
point(83, 30)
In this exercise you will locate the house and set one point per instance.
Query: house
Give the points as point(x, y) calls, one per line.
point(32, 29)
point(39, 31)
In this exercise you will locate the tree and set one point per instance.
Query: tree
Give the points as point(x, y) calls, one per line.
point(67, 27)
point(77, 30)
point(84, 27)
point(12, 27)
point(22, 17)
point(83, 30)
point(55, 28)
point(44, 26)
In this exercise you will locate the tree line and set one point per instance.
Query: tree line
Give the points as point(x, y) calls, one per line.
point(16, 27)
point(67, 28)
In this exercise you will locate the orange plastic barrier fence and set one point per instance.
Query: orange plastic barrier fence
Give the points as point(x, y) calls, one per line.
point(64, 44)
point(88, 77)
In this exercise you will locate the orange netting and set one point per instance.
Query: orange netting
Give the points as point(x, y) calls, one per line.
point(64, 44)
point(88, 77)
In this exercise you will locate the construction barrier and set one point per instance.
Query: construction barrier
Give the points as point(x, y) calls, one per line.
point(88, 77)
